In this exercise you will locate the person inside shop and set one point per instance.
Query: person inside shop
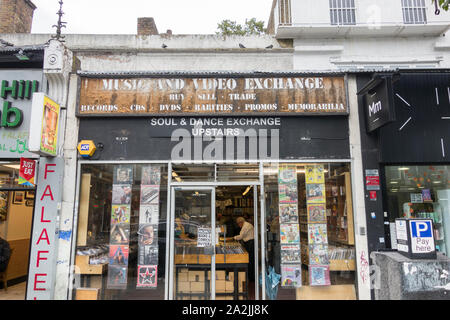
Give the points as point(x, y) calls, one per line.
point(5, 253)
point(246, 236)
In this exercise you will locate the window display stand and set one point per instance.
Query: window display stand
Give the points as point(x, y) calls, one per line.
point(205, 285)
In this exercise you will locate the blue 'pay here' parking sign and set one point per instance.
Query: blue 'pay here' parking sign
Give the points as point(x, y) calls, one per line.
point(422, 240)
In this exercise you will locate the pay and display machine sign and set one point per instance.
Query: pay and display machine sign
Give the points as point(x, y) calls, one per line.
point(415, 238)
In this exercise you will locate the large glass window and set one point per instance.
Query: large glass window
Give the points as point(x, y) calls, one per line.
point(121, 238)
point(421, 192)
point(310, 239)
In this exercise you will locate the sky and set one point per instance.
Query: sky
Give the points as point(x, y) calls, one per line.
point(120, 16)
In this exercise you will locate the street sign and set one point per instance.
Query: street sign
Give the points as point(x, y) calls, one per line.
point(415, 238)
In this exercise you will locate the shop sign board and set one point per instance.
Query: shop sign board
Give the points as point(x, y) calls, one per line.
point(378, 104)
point(27, 172)
point(372, 180)
point(415, 238)
point(16, 90)
point(44, 249)
point(213, 96)
point(44, 125)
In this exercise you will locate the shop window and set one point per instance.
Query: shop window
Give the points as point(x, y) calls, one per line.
point(310, 242)
point(414, 11)
point(342, 12)
point(121, 238)
point(421, 192)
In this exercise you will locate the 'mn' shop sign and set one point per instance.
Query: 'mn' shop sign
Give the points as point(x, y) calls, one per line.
point(300, 95)
point(16, 92)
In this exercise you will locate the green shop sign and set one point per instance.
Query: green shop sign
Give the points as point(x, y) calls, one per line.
point(16, 97)
point(12, 117)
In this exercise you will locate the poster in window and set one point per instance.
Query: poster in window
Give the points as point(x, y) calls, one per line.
point(149, 214)
point(120, 234)
point(426, 195)
point(290, 254)
point(147, 276)
point(151, 175)
point(291, 276)
point(289, 233)
point(317, 233)
point(117, 277)
point(314, 174)
point(120, 214)
point(318, 254)
point(149, 194)
point(287, 175)
point(118, 255)
point(317, 213)
point(148, 234)
point(123, 175)
point(148, 255)
point(288, 213)
point(121, 194)
point(288, 193)
point(315, 193)
point(319, 276)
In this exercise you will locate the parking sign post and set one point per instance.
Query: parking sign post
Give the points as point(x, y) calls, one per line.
point(415, 238)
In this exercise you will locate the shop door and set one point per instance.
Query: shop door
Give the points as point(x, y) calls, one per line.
point(192, 244)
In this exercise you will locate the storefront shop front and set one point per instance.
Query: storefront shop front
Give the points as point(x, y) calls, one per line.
point(407, 131)
point(207, 188)
point(17, 193)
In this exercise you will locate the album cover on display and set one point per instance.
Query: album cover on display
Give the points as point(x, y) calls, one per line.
point(315, 193)
point(123, 175)
point(149, 194)
point(117, 277)
point(151, 175)
point(289, 233)
point(287, 175)
point(149, 214)
point(288, 213)
point(319, 276)
point(120, 233)
point(148, 234)
point(120, 214)
point(147, 276)
point(318, 254)
point(288, 193)
point(118, 255)
point(291, 276)
point(317, 233)
point(317, 213)
point(290, 254)
point(121, 194)
point(314, 174)
point(148, 255)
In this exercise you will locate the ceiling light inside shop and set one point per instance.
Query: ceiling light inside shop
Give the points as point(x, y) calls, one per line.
point(12, 166)
point(403, 169)
point(247, 190)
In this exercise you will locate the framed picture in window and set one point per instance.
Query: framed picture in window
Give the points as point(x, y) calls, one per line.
point(19, 197)
point(3, 205)
point(29, 203)
point(29, 195)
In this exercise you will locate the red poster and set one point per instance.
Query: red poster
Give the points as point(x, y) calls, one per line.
point(27, 172)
